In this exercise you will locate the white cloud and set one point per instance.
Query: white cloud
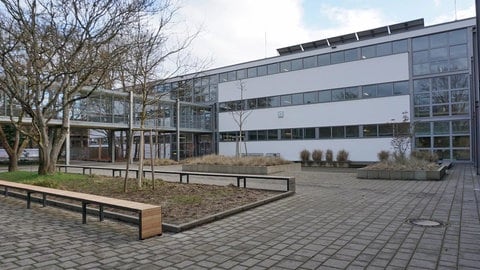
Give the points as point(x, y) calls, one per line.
point(461, 14)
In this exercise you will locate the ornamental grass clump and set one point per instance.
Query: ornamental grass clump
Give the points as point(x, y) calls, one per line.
point(305, 156)
point(237, 161)
point(383, 155)
point(342, 156)
point(329, 156)
point(317, 156)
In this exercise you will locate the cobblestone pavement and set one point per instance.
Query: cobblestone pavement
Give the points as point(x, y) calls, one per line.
point(335, 221)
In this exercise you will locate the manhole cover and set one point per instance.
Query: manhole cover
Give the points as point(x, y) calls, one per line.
point(422, 222)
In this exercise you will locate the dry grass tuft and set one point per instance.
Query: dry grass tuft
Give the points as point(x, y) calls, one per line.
point(234, 161)
point(160, 162)
point(408, 164)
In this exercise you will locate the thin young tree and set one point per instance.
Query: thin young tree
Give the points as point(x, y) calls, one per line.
point(152, 54)
point(240, 115)
point(55, 53)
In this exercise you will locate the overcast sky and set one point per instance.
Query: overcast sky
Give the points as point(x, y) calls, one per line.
point(235, 31)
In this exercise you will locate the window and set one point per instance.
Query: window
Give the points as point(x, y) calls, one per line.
point(262, 135)
point(385, 130)
point(273, 68)
point(457, 37)
point(421, 85)
point(285, 66)
point(252, 103)
point(352, 132)
point(369, 130)
point(440, 110)
point(231, 76)
point(325, 132)
point(438, 40)
point(461, 108)
point(337, 57)
point(443, 141)
point(286, 134)
point(297, 99)
point(369, 52)
point(252, 135)
point(400, 88)
point(384, 90)
point(422, 142)
point(286, 100)
point(324, 96)
point(458, 51)
point(420, 43)
point(297, 64)
point(309, 133)
point(252, 72)
point(297, 133)
point(310, 97)
point(324, 59)
point(369, 91)
point(262, 70)
point(273, 101)
point(223, 77)
point(241, 74)
point(338, 94)
point(440, 128)
point(422, 128)
point(461, 126)
point(459, 81)
point(352, 93)
point(438, 54)
point(461, 141)
point(422, 111)
point(214, 79)
point(310, 62)
point(338, 132)
point(351, 55)
point(272, 134)
point(399, 46)
point(261, 103)
point(384, 49)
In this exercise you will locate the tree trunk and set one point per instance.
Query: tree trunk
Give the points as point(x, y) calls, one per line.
point(141, 152)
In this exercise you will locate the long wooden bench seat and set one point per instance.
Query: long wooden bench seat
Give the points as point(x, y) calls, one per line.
point(150, 216)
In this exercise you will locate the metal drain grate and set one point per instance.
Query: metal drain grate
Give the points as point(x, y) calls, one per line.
point(422, 222)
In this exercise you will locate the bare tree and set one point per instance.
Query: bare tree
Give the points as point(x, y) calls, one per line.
point(152, 53)
point(55, 53)
point(240, 115)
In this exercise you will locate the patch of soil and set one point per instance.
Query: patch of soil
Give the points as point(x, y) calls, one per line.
point(180, 202)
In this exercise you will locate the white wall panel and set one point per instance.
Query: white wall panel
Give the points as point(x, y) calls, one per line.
point(359, 149)
point(362, 72)
point(354, 112)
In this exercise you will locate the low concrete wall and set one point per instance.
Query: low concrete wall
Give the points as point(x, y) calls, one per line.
point(365, 173)
point(241, 169)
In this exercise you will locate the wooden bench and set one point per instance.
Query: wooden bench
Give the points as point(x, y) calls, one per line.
point(150, 216)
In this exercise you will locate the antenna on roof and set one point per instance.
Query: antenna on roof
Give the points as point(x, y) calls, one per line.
point(265, 44)
point(455, 3)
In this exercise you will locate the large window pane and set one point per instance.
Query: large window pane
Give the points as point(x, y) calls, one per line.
point(420, 57)
point(440, 97)
point(261, 103)
point(262, 135)
point(438, 40)
point(440, 110)
point(400, 88)
point(309, 133)
point(297, 64)
point(457, 37)
point(443, 141)
point(422, 85)
point(352, 132)
point(352, 93)
point(384, 49)
point(338, 94)
point(273, 68)
point(297, 133)
point(310, 62)
point(399, 46)
point(310, 97)
point(252, 135)
point(272, 134)
point(351, 55)
point(461, 141)
point(369, 52)
point(422, 128)
point(273, 101)
point(297, 99)
point(325, 132)
point(324, 59)
point(461, 108)
point(459, 81)
point(286, 100)
point(262, 70)
point(421, 99)
point(438, 54)
point(285, 66)
point(337, 57)
point(440, 128)
point(252, 72)
point(420, 43)
point(385, 130)
point(458, 64)
point(324, 96)
point(440, 83)
point(461, 154)
point(423, 142)
point(385, 90)
point(286, 134)
point(338, 132)
point(370, 131)
point(232, 76)
point(241, 74)
point(422, 111)
point(461, 126)
point(369, 91)
point(458, 51)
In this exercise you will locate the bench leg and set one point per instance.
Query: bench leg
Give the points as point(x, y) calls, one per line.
point(238, 181)
point(44, 199)
point(101, 216)
point(29, 197)
point(6, 191)
point(188, 178)
point(84, 212)
point(245, 182)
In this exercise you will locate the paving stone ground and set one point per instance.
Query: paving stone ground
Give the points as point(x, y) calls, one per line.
point(335, 221)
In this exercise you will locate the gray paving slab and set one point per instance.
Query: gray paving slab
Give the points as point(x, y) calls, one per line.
point(335, 221)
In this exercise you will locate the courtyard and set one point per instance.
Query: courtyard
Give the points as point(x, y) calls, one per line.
point(334, 221)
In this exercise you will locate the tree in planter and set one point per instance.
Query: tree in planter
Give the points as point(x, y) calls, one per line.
point(317, 156)
point(305, 156)
point(402, 138)
point(240, 115)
